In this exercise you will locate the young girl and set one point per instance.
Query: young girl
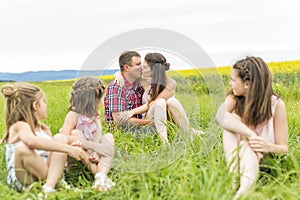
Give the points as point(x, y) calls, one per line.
point(253, 118)
point(82, 123)
point(28, 142)
point(159, 89)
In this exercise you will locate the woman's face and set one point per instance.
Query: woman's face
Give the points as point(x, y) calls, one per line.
point(146, 70)
point(238, 86)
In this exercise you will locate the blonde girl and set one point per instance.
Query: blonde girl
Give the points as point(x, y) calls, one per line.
point(28, 142)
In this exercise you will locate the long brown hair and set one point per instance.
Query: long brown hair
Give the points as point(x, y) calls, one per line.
point(158, 65)
point(85, 92)
point(255, 106)
point(19, 105)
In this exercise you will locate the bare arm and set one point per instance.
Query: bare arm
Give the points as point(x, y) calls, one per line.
point(70, 123)
point(280, 129)
point(230, 121)
point(166, 93)
point(24, 133)
point(98, 135)
point(280, 134)
point(132, 121)
point(169, 90)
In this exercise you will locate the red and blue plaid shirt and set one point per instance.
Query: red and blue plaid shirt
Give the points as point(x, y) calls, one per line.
point(119, 99)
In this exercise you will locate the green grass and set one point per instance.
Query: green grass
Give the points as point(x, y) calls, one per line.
point(187, 169)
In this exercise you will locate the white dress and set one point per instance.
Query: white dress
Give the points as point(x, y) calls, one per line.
point(10, 161)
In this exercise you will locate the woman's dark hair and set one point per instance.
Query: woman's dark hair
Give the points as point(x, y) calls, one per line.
point(158, 65)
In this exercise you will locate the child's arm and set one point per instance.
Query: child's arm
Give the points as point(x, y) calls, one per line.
point(24, 133)
point(69, 123)
point(280, 134)
point(230, 121)
point(98, 136)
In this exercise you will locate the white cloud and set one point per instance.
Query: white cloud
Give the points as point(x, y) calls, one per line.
point(61, 34)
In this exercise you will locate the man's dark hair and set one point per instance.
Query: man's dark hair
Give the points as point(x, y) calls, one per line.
point(125, 58)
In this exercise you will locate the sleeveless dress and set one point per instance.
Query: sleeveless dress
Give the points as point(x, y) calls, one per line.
point(87, 126)
point(10, 161)
point(266, 128)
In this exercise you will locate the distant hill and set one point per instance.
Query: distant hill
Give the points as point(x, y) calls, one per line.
point(37, 76)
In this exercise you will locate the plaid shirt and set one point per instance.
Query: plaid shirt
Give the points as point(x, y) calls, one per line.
point(119, 99)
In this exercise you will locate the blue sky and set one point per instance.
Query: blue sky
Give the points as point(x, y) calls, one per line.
point(54, 35)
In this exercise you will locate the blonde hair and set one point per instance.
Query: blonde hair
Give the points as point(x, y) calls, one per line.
point(19, 105)
point(85, 92)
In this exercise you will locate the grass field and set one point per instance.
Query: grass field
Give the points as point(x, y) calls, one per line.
point(188, 168)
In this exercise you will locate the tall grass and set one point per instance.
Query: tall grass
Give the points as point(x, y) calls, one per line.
point(197, 169)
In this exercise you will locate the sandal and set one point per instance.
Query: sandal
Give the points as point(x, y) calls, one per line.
point(48, 189)
point(102, 182)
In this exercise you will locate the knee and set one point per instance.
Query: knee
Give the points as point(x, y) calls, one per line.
point(160, 103)
point(108, 142)
point(109, 137)
point(22, 149)
point(172, 101)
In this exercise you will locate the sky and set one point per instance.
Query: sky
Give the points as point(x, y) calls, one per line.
point(54, 35)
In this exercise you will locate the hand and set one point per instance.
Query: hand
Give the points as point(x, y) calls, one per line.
point(118, 78)
point(77, 143)
point(258, 144)
point(124, 117)
point(76, 152)
point(94, 157)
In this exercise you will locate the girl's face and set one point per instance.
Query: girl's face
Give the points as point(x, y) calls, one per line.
point(98, 103)
point(41, 108)
point(238, 86)
point(146, 70)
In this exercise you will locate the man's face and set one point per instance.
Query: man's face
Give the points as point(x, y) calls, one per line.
point(135, 69)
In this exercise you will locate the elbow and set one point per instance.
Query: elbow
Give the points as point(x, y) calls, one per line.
point(221, 114)
point(30, 144)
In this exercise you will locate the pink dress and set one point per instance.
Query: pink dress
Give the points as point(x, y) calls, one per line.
point(266, 128)
point(87, 126)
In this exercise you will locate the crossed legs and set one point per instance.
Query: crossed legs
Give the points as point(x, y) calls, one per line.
point(240, 158)
point(157, 113)
point(29, 166)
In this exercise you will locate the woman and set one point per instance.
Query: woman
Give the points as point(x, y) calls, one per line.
point(159, 89)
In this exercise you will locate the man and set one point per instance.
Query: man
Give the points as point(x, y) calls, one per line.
point(123, 98)
point(129, 96)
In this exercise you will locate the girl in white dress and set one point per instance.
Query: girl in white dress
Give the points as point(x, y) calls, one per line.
point(29, 143)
